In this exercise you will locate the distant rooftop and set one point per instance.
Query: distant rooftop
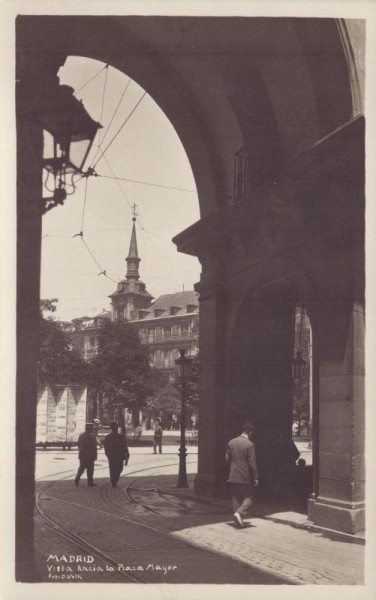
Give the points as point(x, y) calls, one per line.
point(178, 301)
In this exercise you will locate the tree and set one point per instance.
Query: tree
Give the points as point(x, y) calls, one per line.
point(191, 383)
point(58, 362)
point(301, 409)
point(166, 402)
point(121, 369)
point(191, 388)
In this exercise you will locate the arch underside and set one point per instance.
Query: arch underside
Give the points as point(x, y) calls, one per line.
point(287, 88)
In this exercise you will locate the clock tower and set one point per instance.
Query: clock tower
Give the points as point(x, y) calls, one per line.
point(131, 295)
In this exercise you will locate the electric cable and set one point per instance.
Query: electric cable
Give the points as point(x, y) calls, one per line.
point(118, 182)
point(102, 107)
point(109, 125)
point(120, 129)
point(90, 80)
point(102, 271)
point(159, 185)
point(84, 206)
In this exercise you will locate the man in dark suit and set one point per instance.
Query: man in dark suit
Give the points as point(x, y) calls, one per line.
point(157, 439)
point(87, 454)
point(116, 451)
point(243, 476)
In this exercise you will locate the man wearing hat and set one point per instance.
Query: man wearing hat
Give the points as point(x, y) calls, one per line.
point(87, 454)
point(116, 451)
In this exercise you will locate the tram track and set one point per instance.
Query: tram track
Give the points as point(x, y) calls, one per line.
point(122, 560)
point(43, 518)
point(78, 541)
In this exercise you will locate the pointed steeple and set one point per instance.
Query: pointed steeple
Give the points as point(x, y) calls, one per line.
point(132, 259)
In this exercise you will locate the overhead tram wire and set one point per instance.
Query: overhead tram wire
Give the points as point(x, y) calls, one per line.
point(90, 80)
point(84, 206)
point(81, 235)
point(111, 120)
point(102, 271)
point(118, 182)
point(102, 107)
point(160, 185)
point(120, 128)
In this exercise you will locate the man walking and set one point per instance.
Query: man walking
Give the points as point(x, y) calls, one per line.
point(157, 441)
point(116, 451)
point(87, 454)
point(243, 476)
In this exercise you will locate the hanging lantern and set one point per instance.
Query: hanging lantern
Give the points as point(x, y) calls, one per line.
point(68, 132)
point(183, 364)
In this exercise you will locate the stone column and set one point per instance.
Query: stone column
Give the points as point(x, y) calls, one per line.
point(29, 195)
point(340, 501)
point(213, 302)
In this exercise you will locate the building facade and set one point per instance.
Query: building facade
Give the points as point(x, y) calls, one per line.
point(164, 325)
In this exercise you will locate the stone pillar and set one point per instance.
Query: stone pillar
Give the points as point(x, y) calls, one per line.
point(340, 501)
point(29, 196)
point(213, 302)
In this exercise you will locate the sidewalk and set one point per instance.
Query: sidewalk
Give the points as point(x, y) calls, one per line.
point(281, 543)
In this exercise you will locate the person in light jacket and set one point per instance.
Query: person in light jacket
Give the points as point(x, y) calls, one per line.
point(243, 474)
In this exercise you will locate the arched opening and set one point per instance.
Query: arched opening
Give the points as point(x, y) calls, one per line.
point(272, 326)
point(140, 194)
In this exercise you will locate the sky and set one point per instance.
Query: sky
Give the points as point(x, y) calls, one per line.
point(144, 149)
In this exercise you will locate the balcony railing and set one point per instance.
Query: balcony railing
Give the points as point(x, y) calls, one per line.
point(242, 174)
point(165, 339)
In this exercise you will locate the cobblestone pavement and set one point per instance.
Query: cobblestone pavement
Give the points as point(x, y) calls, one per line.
point(147, 521)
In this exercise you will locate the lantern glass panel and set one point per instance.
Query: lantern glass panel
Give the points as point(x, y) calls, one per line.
point(78, 153)
point(48, 146)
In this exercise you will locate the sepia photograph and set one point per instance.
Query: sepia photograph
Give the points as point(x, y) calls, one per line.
point(189, 301)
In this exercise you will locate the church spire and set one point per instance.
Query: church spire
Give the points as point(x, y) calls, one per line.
point(132, 259)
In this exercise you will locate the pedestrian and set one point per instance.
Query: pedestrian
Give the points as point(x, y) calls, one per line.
point(157, 440)
point(87, 454)
point(243, 475)
point(116, 451)
point(96, 428)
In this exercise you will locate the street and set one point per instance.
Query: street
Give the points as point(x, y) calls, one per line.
point(148, 531)
point(132, 531)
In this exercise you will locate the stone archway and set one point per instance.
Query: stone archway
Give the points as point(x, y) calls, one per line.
point(261, 384)
point(183, 63)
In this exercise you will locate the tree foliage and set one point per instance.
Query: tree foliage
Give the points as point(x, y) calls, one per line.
point(191, 383)
point(121, 368)
point(58, 362)
point(167, 401)
point(301, 408)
